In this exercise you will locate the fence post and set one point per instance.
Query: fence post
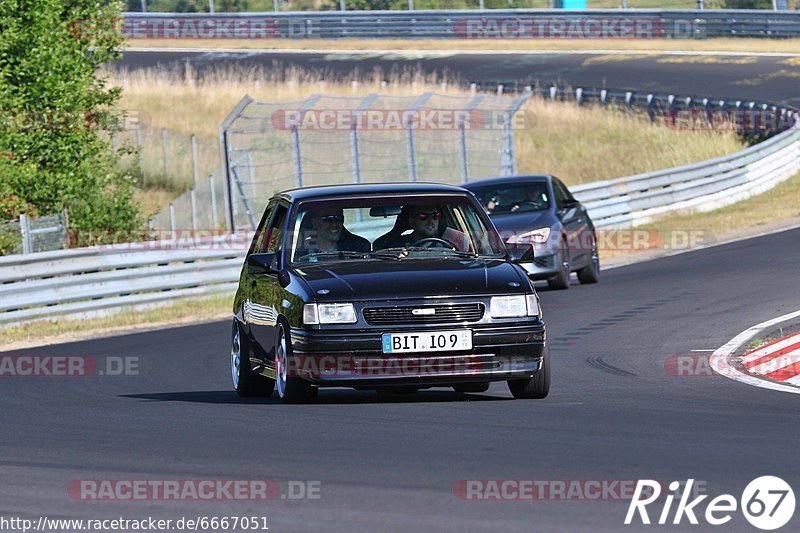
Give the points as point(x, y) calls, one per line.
point(411, 5)
point(211, 6)
point(508, 162)
point(172, 220)
point(25, 234)
point(411, 151)
point(298, 162)
point(462, 143)
point(213, 188)
point(354, 154)
point(252, 173)
point(342, 6)
point(276, 5)
point(194, 160)
point(166, 151)
point(139, 149)
point(144, 6)
point(224, 163)
point(193, 198)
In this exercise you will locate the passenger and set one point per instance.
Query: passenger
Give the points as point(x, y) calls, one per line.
point(328, 234)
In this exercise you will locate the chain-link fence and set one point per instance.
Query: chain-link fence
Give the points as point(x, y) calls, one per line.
point(27, 235)
point(325, 140)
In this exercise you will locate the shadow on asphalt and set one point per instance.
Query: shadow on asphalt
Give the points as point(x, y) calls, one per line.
point(340, 396)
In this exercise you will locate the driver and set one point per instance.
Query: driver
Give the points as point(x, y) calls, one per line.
point(330, 235)
point(423, 220)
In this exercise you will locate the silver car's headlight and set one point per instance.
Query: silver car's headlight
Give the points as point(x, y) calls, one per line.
point(538, 236)
point(515, 306)
point(329, 314)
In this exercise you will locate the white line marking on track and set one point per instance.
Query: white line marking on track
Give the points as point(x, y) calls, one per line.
point(721, 365)
point(704, 350)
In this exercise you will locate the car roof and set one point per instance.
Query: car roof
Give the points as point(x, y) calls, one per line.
point(328, 191)
point(507, 180)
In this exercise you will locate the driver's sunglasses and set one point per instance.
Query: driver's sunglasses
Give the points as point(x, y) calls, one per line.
point(436, 215)
point(332, 218)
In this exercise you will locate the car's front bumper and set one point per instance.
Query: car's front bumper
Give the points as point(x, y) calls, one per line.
point(542, 267)
point(355, 358)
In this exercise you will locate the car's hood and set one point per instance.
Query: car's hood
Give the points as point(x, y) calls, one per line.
point(410, 278)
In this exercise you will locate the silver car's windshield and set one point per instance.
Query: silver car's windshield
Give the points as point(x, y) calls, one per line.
point(516, 198)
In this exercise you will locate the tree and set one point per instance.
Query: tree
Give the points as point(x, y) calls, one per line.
point(56, 112)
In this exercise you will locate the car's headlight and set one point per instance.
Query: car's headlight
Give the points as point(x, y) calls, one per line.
point(539, 236)
point(534, 305)
point(515, 306)
point(329, 314)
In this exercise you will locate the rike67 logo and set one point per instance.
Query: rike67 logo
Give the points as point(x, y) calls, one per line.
point(767, 503)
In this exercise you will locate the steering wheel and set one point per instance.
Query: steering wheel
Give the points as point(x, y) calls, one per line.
point(433, 241)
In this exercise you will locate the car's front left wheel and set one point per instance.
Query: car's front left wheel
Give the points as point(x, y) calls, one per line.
point(536, 387)
point(245, 381)
point(291, 389)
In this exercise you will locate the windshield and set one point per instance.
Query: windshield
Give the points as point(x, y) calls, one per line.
point(391, 228)
point(516, 198)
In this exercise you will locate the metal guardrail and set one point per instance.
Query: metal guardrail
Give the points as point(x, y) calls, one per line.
point(88, 282)
point(93, 281)
point(467, 24)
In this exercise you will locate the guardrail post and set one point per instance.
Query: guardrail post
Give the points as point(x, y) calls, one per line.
point(578, 95)
point(194, 160)
point(629, 99)
point(166, 151)
point(603, 96)
point(553, 92)
point(213, 188)
point(25, 234)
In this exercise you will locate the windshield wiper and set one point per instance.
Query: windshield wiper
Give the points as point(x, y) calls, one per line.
point(337, 253)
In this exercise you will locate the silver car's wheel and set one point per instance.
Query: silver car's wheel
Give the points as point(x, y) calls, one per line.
point(280, 363)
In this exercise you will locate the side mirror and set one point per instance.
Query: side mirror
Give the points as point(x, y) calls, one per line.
point(263, 263)
point(520, 252)
point(569, 204)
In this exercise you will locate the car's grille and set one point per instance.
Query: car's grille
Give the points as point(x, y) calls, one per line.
point(443, 314)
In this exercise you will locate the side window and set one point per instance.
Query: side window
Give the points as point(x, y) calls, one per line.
point(274, 235)
point(258, 238)
point(565, 192)
point(558, 193)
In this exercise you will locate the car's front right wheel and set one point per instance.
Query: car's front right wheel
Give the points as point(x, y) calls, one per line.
point(536, 387)
point(291, 389)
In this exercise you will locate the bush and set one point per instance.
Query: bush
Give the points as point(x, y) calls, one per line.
point(55, 113)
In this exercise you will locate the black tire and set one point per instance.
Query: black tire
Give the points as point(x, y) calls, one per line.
point(467, 388)
point(246, 383)
point(534, 388)
point(291, 389)
point(591, 272)
point(561, 280)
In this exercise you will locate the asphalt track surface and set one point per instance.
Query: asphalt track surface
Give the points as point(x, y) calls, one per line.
point(390, 464)
point(766, 78)
point(614, 413)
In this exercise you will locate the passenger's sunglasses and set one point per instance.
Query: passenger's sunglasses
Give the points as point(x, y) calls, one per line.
point(436, 215)
point(332, 218)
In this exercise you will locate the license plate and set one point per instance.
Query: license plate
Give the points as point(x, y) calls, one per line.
point(430, 341)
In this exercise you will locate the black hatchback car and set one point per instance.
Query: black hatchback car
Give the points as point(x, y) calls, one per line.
point(540, 210)
point(388, 287)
